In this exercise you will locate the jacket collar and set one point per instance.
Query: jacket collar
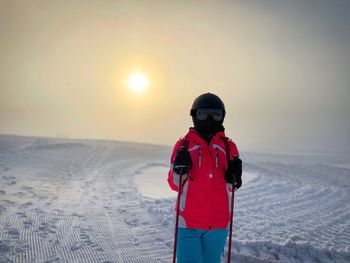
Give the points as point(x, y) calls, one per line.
point(193, 133)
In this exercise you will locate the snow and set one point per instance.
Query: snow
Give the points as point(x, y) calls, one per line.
point(150, 182)
point(104, 201)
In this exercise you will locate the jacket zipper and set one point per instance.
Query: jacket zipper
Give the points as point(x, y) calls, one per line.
point(216, 158)
point(200, 157)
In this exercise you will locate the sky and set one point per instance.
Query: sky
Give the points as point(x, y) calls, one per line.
point(282, 69)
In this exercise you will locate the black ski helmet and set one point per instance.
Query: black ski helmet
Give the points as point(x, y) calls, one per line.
point(207, 100)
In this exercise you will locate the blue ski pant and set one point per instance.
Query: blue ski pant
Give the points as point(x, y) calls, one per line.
point(200, 246)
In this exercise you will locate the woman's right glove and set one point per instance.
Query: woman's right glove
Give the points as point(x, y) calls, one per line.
point(234, 170)
point(182, 162)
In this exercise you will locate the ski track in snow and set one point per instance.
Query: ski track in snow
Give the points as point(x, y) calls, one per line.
point(77, 201)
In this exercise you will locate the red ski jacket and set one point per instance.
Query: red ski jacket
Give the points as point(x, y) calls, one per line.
point(205, 196)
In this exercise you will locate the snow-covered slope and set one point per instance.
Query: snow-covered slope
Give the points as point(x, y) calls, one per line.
point(100, 201)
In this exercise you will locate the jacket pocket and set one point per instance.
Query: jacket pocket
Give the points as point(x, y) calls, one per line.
point(220, 157)
point(196, 154)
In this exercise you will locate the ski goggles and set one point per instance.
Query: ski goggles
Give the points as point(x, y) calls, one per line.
point(203, 113)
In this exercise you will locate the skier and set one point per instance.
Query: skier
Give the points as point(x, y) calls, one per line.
point(206, 184)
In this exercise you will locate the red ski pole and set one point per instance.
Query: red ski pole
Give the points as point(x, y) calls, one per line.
point(231, 222)
point(231, 219)
point(177, 211)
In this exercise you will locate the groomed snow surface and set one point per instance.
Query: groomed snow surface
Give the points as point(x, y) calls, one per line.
point(103, 201)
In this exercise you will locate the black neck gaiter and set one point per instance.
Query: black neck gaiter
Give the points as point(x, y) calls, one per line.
point(207, 128)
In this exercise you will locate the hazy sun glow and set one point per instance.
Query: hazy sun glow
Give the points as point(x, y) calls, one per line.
point(138, 82)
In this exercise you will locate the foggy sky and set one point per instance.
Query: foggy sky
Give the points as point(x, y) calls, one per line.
point(281, 68)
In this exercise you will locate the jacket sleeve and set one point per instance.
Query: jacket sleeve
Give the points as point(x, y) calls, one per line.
point(233, 150)
point(173, 178)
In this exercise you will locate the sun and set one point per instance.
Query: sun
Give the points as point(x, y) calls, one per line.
point(138, 82)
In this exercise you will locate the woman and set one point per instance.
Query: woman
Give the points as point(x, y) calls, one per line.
point(205, 157)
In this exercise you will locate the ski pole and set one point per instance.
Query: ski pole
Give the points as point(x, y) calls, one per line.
point(178, 210)
point(231, 219)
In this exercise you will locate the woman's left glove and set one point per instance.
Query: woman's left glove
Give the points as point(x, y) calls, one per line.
point(234, 170)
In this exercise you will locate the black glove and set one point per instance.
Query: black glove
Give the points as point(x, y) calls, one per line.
point(182, 162)
point(234, 170)
point(238, 182)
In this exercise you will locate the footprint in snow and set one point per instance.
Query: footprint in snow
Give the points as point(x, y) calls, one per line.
point(85, 240)
point(39, 211)
point(26, 205)
point(7, 202)
point(21, 214)
point(5, 247)
point(2, 209)
point(21, 247)
point(53, 260)
point(20, 194)
point(76, 246)
point(11, 246)
point(13, 232)
point(136, 242)
point(8, 178)
point(121, 210)
point(27, 188)
point(46, 228)
point(27, 223)
point(132, 221)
